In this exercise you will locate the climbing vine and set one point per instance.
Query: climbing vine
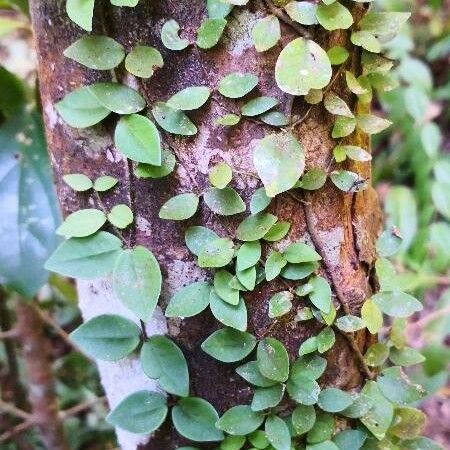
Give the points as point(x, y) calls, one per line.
point(380, 415)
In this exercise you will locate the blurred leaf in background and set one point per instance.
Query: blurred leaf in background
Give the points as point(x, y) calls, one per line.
point(27, 198)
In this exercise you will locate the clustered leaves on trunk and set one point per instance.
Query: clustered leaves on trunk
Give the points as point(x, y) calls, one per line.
point(380, 415)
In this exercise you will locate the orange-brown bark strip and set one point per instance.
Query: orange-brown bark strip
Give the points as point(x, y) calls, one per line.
point(343, 226)
point(37, 358)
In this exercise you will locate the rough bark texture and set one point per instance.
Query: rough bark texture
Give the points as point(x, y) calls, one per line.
point(36, 356)
point(343, 227)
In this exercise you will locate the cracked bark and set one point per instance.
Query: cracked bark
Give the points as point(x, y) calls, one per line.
point(343, 227)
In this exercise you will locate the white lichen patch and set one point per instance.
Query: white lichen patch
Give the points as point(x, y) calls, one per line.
point(124, 377)
point(331, 241)
point(238, 37)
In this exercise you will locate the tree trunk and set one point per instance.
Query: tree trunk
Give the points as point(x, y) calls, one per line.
point(342, 227)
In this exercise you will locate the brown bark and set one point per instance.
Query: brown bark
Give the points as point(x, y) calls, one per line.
point(36, 356)
point(343, 227)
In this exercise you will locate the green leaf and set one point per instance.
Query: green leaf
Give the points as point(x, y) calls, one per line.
point(325, 445)
point(302, 65)
point(258, 105)
point(408, 423)
point(350, 324)
point(96, 52)
point(229, 345)
point(117, 97)
point(141, 412)
point(398, 388)
point(334, 400)
point(233, 443)
point(279, 160)
point(299, 252)
point(137, 138)
point(170, 38)
point(376, 354)
point(216, 253)
point(189, 300)
point(439, 193)
point(230, 315)
point(218, 9)
point(371, 124)
point(273, 359)
point(406, 356)
point(250, 372)
point(385, 24)
point(209, 32)
point(298, 271)
point(195, 419)
point(228, 120)
point(312, 179)
point(81, 109)
point(222, 279)
point(354, 152)
point(81, 12)
point(372, 316)
point(274, 264)
point(197, 237)
point(149, 171)
point(350, 439)
point(280, 304)
point(378, 419)
point(397, 304)
point(311, 366)
point(266, 33)
point(366, 40)
point(220, 175)
point(322, 430)
point(225, 202)
point(265, 398)
point(278, 231)
point(348, 181)
point(335, 105)
point(78, 182)
point(353, 84)
point(137, 281)
point(308, 346)
point(105, 183)
point(338, 55)
point(240, 420)
point(173, 120)
point(121, 216)
point(274, 118)
point(129, 3)
point(248, 255)
point(180, 207)
point(161, 359)
point(361, 405)
point(321, 294)
point(314, 96)
point(259, 201)
point(325, 340)
point(82, 223)
point(142, 61)
point(277, 433)
point(302, 12)
point(255, 227)
point(303, 418)
point(107, 337)
point(343, 126)
point(87, 258)
point(189, 98)
point(334, 16)
point(247, 278)
point(237, 84)
point(303, 390)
